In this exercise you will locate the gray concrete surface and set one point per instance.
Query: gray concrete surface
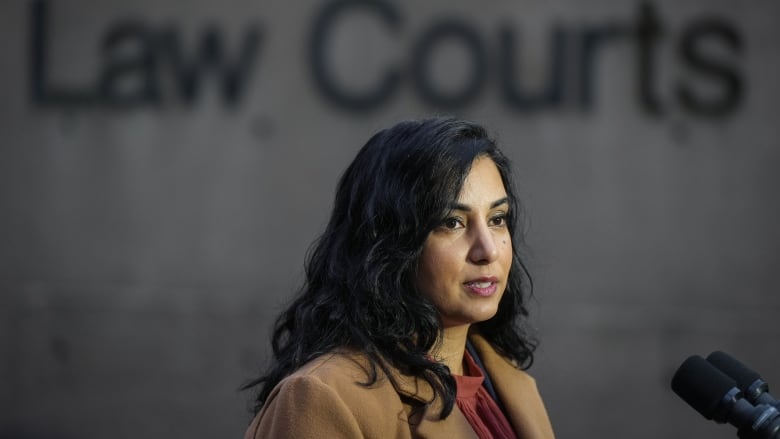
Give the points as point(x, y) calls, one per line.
point(146, 246)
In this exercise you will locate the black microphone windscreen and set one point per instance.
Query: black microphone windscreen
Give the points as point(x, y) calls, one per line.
point(701, 385)
point(744, 376)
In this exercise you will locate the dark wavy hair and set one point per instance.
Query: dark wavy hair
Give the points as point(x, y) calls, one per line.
point(360, 290)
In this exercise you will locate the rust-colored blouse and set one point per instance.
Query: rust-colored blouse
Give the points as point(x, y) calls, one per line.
point(478, 406)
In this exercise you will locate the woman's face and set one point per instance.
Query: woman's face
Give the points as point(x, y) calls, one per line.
point(465, 261)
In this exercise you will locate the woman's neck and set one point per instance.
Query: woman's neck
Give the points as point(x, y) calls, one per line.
point(452, 346)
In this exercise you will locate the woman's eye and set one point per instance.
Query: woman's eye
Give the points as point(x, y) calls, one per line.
point(451, 223)
point(499, 220)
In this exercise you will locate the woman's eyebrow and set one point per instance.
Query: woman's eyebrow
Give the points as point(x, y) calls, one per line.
point(466, 208)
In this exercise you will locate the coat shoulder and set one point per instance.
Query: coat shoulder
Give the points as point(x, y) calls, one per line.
point(334, 392)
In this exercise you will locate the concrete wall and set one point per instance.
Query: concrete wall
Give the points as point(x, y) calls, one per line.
point(149, 232)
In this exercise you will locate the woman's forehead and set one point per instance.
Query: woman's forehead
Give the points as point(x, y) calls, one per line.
point(483, 185)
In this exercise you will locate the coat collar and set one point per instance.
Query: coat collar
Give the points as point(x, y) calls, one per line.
point(515, 388)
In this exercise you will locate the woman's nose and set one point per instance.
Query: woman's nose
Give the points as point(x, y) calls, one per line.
point(483, 246)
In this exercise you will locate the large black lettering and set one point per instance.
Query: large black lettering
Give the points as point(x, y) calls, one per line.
point(41, 91)
point(649, 32)
point(720, 71)
point(592, 40)
point(210, 57)
point(129, 76)
point(319, 53)
point(551, 94)
point(421, 55)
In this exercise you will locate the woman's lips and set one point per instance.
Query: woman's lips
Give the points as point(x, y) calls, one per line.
point(484, 287)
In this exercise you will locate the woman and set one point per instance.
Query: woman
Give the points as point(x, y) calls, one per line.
point(411, 320)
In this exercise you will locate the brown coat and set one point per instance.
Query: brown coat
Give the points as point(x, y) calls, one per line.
point(324, 399)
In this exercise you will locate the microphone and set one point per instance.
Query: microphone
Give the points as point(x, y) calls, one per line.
point(753, 387)
point(716, 397)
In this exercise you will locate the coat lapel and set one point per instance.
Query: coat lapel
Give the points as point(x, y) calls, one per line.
point(517, 391)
